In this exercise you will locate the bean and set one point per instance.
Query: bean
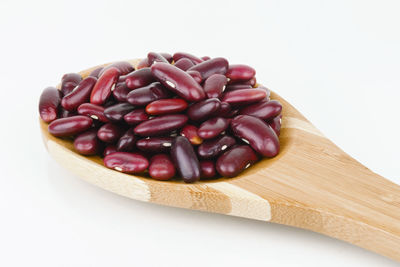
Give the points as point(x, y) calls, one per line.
point(126, 162)
point(136, 116)
point(240, 72)
point(161, 125)
point(121, 92)
point(252, 82)
point(266, 90)
point(212, 127)
point(184, 64)
point(139, 78)
point(70, 126)
point(234, 87)
point(203, 110)
point(235, 160)
point(244, 96)
point(179, 55)
point(205, 58)
point(118, 111)
point(185, 159)
point(122, 78)
point(94, 111)
point(207, 68)
point(95, 73)
point(224, 110)
point(127, 141)
point(258, 134)
point(79, 95)
point(104, 86)
point(190, 132)
point(145, 95)
point(153, 57)
point(144, 63)
point(207, 169)
point(69, 81)
point(155, 144)
point(264, 110)
point(110, 133)
point(63, 113)
point(87, 143)
point(195, 75)
point(124, 67)
point(215, 85)
point(109, 149)
point(214, 147)
point(275, 124)
point(48, 104)
point(168, 57)
point(161, 167)
point(166, 106)
point(178, 81)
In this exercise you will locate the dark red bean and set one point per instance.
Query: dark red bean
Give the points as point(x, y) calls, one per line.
point(144, 63)
point(235, 160)
point(203, 110)
point(155, 57)
point(70, 126)
point(145, 95)
point(207, 68)
point(166, 106)
point(179, 55)
point(185, 159)
point(104, 86)
point(121, 79)
point(264, 110)
point(224, 110)
point(87, 143)
point(252, 82)
point(205, 58)
point(178, 81)
point(121, 92)
point(168, 57)
point(79, 95)
point(214, 147)
point(161, 125)
point(184, 64)
point(240, 72)
point(109, 149)
point(207, 169)
point(212, 127)
point(95, 73)
point(110, 133)
point(136, 116)
point(266, 90)
point(244, 96)
point(124, 67)
point(126, 162)
point(190, 132)
point(127, 141)
point(48, 104)
point(139, 78)
point(215, 85)
point(118, 111)
point(94, 111)
point(63, 113)
point(275, 124)
point(257, 134)
point(69, 81)
point(155, 144)
point(195, 75)
point(239, 86)
point(161, 167)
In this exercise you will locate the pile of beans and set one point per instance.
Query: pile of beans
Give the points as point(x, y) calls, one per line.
point(172, 116)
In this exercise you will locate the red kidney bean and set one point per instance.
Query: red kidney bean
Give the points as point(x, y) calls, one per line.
point(235, 160)
point(63, 113)
point(240, 72)
point(252, 82)
point(48, 104)
point(179, 55)
point(214, 147)
point(145, 95)
point(94, 111)
point(79, 95)
point(205, 58)
point(136, 116)
point(195, 75)
point(95, 73)
point(224, 110)
point(168, 57)
point(212, 127)
point(184, 64)
point(153, 57)
point(127, 141)
point(122, 79)
point(161, 125)
point(166, 106)
point(265, 89)
point(70, 126)
point(118, 111)
point(69, 81)
point(109, 150)
point(126, 162)
point(275, 124)
point(144, 63)
point(185, 159)
point(110, 133)
point(215, 85)
point(121, 92)
point(87, 143)
point(178, 81)
point(244, 96)
point(264, 110)
point(190, 132)
point(161, 167)
point(207, 169)
point(155, 144)
point(203, 110)
point(124, 67)
point(257, 133)
point(207, 68)
point(239, 86)
point(139, 78)
point(104, 86)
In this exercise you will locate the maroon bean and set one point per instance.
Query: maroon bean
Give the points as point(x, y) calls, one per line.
point(257, 134)
point(244, 96)
point(266, 90)
point(118, 111)
point(139, 78)
point(195, 75)
point(204, 109)
point(109, 150)
point(121, 92)
point(48, 104)
point(240, 72)
point(207, 169)
point(185, 159)
point(215, 85)
point(69, 81)
point(252, 82)
point(104, 86)
point(144, 63)
point(63, 113)
point(179, 55)
point(87, 143)
point(275, 124)
point(205, 58)
point(190, 132)
point(166, 106)
point(161, 167)
point(122, 79)
point(153, 57)
point(178, 81)
point(212, 127)
point(70, 126)
point(155, 144)
point(161, 125)
point(264, 110)
point(235, 160)
point(126, 162)
point(168, 57)
point(207, 68)
point(239, 86)
point(127, 141)
point(136, 116)
point(124, 67)
point(95, 73)
point(94, 111)
point(110, 133)
point(184, 64)
point(79, 95)
point(224, 110)
point(214, 147)
point(145, 95)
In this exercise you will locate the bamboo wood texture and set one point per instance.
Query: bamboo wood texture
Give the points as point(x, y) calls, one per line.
point(311, 184)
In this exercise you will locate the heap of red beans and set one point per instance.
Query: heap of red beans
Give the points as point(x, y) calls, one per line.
point(180, 115)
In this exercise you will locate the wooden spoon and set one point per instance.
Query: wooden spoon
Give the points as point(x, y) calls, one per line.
point(311, 184)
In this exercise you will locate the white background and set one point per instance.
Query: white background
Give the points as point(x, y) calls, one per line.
point(338, 62)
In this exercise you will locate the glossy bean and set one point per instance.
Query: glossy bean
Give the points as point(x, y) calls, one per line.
point(69, 81)
point(252, 82)
point(139, 78)
point(124, 67)
point(144, 63)
point(212, 127)
point(136, 116)
point(205, 58)
point(96, 112)
point(195, 75)
point(145, 95)
point(63, 113)
point(239, 86)
point(275, 124)
point(166, 106)
point(95, 73)
point(224, 110)
point(70, 126)
point(184, 64)
point(266, 90)
point(161, 167)
point(118, 111)
point(110, 133)
point(153, 57)
point(167, 56)
point(240, 72)
point(179, 55)
point(121, 92)
point(215, 85)
point(236, 160)
point(207, 169)
point(87, 143)
point(190, 132)
point(104, 86)
point(185, 159)
point(48, 104)
point(126, 162)
point(109, 150)
point(214, 147)
point(127, 141)
point(161, 125)
point(244, 96)
point(264, 110)
point(204, 109)
point(155, 144)
point(207, 68)
point(79, 95)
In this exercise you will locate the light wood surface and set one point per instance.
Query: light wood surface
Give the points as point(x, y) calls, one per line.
point(311, 184)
